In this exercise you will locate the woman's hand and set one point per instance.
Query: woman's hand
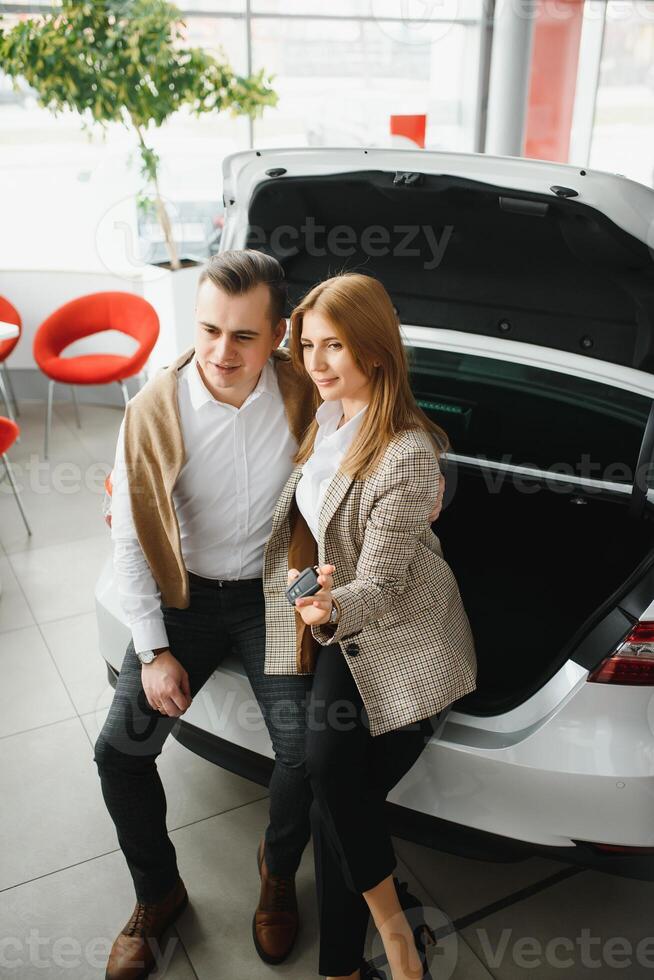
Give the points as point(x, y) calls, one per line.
point(316, 609)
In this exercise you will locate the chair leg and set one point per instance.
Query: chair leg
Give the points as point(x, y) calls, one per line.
point(5, 397)
point(10, 474)
point(48, 418)
point(10, 387)
point(123, 388)
point(76, 406)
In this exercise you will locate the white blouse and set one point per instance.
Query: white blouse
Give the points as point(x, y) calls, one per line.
point(329, 449)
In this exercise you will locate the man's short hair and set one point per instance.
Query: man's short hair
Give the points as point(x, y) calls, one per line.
point(239, 270)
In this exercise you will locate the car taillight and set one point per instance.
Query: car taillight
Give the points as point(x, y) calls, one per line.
point(632, 662)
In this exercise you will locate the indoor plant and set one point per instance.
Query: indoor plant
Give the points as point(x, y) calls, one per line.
point(125, 61)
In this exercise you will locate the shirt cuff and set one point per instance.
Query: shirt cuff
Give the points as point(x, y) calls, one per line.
point(150, 634)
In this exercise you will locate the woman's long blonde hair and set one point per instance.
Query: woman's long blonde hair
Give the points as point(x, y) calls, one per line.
point(363, 314)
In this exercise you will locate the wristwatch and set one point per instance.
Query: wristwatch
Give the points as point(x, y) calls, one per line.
point(147, 656)
point(335, 614)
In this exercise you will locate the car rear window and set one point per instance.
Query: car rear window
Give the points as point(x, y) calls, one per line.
point(522, 415)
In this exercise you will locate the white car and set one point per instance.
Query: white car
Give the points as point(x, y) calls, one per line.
point(526, 294)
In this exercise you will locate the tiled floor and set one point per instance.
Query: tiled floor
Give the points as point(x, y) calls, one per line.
point(64, 889)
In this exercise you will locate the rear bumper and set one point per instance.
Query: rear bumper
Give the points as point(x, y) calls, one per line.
point(453, 838)
point(415, 826)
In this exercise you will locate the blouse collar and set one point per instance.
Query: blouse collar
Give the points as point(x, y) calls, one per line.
point(328, 416)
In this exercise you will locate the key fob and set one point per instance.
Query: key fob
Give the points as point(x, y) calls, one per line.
point(304, 585)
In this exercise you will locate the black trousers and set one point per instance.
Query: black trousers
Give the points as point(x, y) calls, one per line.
point(351, 774)
point(217, 621)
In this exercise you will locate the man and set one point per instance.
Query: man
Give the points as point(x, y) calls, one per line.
point(202, 456)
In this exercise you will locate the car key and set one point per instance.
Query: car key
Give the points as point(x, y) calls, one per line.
point(305, 584)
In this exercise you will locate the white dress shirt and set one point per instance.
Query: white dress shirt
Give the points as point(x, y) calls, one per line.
point(237, 461)
point(330, 446)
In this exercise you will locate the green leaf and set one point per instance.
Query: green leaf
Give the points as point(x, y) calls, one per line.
point(125, 61)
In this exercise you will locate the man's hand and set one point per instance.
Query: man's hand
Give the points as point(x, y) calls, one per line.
point(166, 685)
point(439, 501)
point(315, 609)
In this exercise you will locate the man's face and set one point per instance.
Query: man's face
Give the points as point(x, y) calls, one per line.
point(233, 340)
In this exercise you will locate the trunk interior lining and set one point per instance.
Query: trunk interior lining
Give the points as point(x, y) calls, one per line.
point(531, 569)
point(557, 277)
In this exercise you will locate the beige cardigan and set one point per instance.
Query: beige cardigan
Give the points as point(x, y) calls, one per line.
point(155, 454)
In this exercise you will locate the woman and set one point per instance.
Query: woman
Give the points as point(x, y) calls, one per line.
point(394, 641)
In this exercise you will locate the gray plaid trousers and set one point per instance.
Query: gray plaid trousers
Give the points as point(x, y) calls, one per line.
point(217, 621)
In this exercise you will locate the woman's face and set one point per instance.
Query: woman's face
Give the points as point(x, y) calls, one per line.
point(330, 363)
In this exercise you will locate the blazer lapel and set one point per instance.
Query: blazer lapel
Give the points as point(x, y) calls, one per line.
point(332, 500)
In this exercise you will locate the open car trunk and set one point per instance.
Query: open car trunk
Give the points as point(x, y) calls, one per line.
point(538, 524)
point(566, 268)
point(532, 567)
point(463, 255)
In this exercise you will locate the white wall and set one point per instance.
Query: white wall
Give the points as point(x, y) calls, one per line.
point(70, 228)
point(36, 293)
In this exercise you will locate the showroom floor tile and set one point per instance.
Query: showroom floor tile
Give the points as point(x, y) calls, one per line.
point(216, 933)
point(453, 880)
point(99, 429)
point(63, 438)
point(591, 925)
point(58, 580)
point(62, 925)
point(52, 813)
point(64, 887)
point(32, 693)
point(73, 644)
point(62, 497)
point(55, 519)
point(14, 610)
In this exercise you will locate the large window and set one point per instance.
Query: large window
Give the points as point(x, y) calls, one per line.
point(339, 79)
point(623, 128)
point(341, 69)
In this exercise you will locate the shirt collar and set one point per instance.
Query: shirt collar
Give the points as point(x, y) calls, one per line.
point(200, 394)
point(328, 416)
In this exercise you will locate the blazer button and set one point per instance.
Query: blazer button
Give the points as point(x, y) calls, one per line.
point(352, 649)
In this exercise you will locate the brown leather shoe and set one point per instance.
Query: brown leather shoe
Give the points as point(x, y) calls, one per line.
point(275, 923)
point(133, 953)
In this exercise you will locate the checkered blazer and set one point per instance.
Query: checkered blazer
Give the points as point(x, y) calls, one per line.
point(403, 629)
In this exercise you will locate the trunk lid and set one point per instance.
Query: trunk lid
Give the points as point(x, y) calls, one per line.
point(531, 282)
point(505, 248)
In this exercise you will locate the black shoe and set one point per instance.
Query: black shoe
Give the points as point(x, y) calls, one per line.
point(423, 934)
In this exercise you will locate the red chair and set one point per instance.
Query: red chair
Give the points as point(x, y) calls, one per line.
point(9, 314)
point(82, 317)
point(9, 432)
